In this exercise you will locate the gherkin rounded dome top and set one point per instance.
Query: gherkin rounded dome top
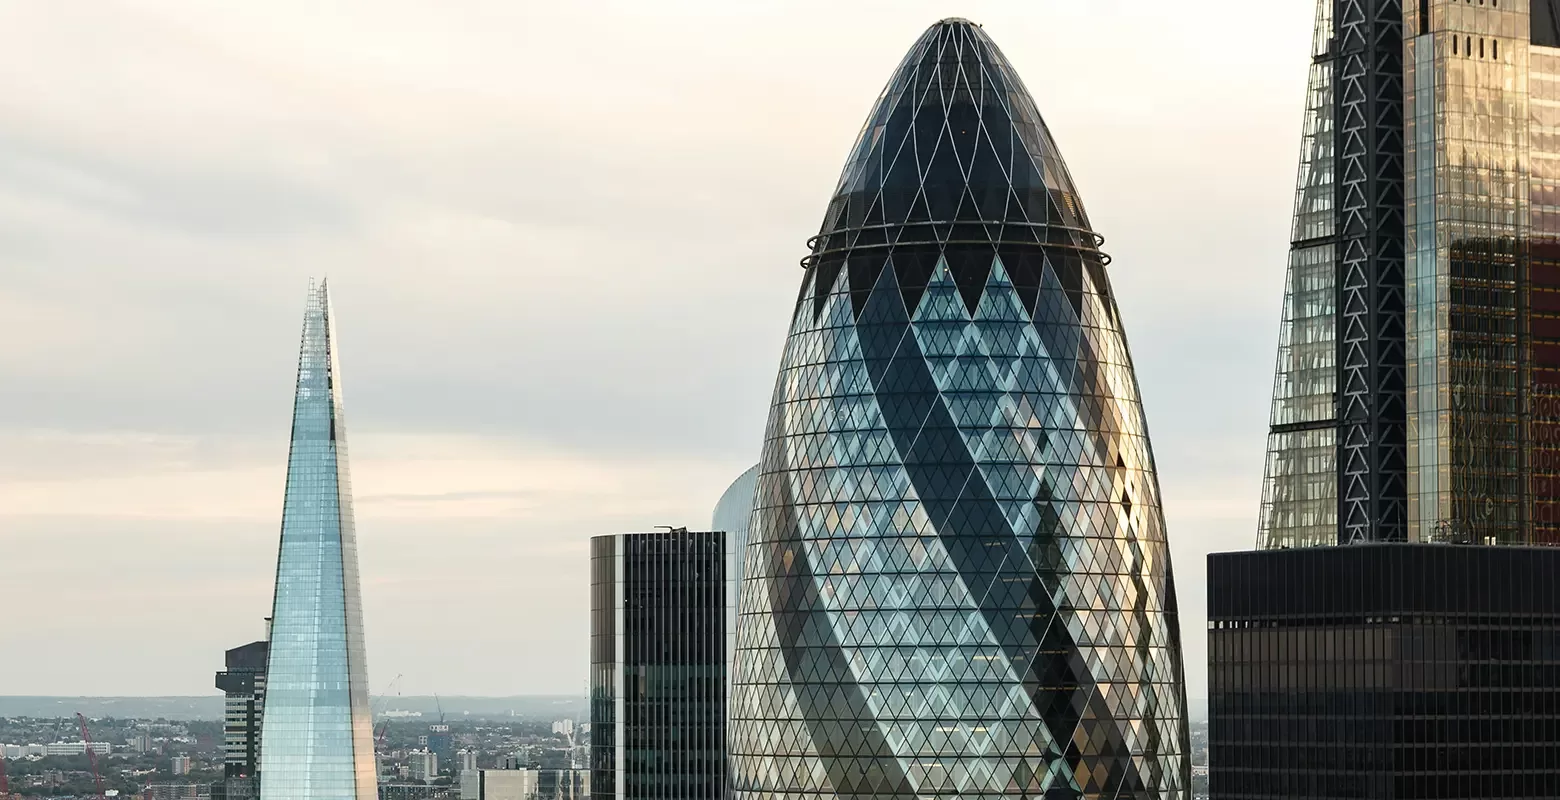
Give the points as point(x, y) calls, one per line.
point(955, 138)
point(955, 162)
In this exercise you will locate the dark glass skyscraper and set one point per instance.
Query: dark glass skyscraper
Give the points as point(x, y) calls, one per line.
point(1385, 671)
point(1414, 409)
point(957, 578)
point(1419, 356)
point(243, 685)
point(316, 737)
point(658, 666)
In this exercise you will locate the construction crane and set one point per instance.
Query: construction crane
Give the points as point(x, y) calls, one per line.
point(86, 741)
point(384, 726)
point(5, 783)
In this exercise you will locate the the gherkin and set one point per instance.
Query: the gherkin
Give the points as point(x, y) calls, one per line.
point(957, 581)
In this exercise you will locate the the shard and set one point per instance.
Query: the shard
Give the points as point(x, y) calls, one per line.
point(316, 736)
point(957, 581)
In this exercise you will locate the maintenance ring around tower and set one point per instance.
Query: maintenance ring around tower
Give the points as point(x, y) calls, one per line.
point(812, 258)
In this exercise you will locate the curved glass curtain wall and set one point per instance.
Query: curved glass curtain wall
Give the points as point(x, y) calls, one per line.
point(957, 581)
point(733, 513)
point(316, 734)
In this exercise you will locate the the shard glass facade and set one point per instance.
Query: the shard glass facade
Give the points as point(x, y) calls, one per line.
point(316, 738)
point(957, 578)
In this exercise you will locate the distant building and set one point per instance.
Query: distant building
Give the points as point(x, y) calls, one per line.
point(76, 748)
point(466, 761)
point(525, 784)
point(175, 791)
point(424, 765)
point(564, 727)
point(441, 742)
point(244, 684)
point(560, 784)
point(181, 765)
point(658, 643)
point(415, 791)
point(139, 743)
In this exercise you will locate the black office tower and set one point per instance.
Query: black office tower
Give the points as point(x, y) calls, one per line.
point(243, 685)
point(1395, 671)
point(658, 666)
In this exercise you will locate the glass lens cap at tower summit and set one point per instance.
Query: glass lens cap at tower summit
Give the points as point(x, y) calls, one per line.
point(957, 581)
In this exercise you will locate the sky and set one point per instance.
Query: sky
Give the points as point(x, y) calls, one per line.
point(562, 245)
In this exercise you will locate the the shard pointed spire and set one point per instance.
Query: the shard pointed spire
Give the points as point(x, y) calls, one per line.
point(316, 736)
point(957, 582)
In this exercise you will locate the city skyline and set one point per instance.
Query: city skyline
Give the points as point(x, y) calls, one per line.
point(457, 437)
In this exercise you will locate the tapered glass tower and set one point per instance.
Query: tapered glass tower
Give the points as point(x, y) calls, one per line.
point(957, 581)
point(316, 738)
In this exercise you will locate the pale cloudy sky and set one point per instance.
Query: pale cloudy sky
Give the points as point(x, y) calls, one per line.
point(562, 240)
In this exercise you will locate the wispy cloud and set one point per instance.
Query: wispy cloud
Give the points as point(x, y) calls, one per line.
point(563, 240)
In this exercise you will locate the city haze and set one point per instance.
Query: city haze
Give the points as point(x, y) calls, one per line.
point(562, 242)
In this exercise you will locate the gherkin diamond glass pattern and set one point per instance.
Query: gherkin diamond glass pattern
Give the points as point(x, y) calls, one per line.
point(957, 581)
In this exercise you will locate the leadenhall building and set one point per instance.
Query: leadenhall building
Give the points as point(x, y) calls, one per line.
point(1397, 632)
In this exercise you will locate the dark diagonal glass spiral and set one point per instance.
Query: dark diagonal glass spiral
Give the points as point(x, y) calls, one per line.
point(957, 581)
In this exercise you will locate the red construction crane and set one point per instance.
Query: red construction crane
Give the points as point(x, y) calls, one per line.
point(86, 741)
point(5, 784)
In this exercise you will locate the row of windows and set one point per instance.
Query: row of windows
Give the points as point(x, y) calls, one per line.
point(1359, 704)
point(1238, 785)
point(1467, 48)
point(1406, 733)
